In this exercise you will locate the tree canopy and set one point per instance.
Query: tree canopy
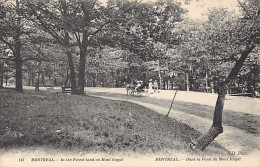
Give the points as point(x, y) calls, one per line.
point(81, 43)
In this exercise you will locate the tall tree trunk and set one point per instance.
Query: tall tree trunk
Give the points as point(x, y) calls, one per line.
point(6, 80)
point(72, 72)
point(82, 65)
point(66, 79)
point(113, 79)
point(18, 68)
point(172, 80)
point(103, 79)
point(55, 81)
point(1, 75)
point(17, 53)
point(168, 82)
point(71, 64)
point(43, 80)
point(117, 78)
point(67, 46)
point(29, 78)
point(206, 84)
point(203, 141)
point(37, 85)
point(187, 82)
point(94, 80)
point(160, 79)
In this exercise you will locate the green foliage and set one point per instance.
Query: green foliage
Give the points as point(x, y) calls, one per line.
point(214, 46)
point(124, 40)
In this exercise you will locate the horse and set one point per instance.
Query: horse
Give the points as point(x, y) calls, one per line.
point(129, 87)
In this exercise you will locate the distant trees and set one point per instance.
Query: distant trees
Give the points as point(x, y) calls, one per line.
point(73, 23)
point(230, 40)
point(52, 17)
point(86, 42)
point(146, 31)
point(44, 60)
point(89, 24)
point(2, 62)
point(18, 34)
point(13, 33)
point(106, 67)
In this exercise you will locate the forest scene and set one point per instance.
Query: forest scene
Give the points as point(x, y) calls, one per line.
point(70, 69)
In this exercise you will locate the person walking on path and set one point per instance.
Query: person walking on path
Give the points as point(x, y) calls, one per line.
point(155, 86)
point(150, 86)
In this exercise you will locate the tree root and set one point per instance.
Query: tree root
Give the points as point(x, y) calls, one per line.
point(204, 140)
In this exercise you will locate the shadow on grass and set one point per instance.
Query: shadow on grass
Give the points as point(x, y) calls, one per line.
point(247, 122)
point(84, 123)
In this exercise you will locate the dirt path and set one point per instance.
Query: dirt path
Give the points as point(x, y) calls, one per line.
point(235, 103)
point(233, 138)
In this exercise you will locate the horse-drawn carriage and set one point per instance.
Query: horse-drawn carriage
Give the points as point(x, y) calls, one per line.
point(135, 90)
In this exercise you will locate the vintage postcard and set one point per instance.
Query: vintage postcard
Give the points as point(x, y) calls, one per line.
point(129, 83)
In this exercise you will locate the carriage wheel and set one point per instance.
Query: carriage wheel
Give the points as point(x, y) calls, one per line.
point(132, 92)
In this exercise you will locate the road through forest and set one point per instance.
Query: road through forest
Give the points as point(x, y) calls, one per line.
point(240, 117)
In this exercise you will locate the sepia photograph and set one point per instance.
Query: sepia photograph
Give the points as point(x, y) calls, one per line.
point(130, 83)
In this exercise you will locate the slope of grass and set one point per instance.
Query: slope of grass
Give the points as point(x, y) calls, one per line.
point(84, 123)
point(247, 122)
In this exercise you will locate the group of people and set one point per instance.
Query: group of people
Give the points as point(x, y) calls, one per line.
point(153, 86)
point(138, 86)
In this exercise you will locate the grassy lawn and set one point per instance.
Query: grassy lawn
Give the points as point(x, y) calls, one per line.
point(89, 124)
